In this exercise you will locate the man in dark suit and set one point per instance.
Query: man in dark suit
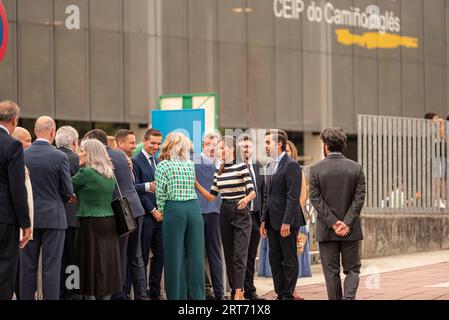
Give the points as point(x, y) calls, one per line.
point(14, 212)
point(130, 251)
point(67, 142)
point(281, 214)
point(130, 247)
point(256, 170)
point(52, 188)
point(144, 165)
point(337, 192)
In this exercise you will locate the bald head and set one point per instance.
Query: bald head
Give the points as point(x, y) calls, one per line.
point(45, 128)
point(9, 115)
point(23, 135)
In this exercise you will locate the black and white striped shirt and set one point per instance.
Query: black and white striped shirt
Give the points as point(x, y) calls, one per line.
point(234, 183)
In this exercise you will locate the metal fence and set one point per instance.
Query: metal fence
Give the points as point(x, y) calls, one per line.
point(405, 163)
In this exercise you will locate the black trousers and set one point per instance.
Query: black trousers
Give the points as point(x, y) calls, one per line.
point(213, 251)
point(235, 226)
point(283, 261)
point(133, 269)
point(9, 254)
point(250, 289)
point(69, 257)
point(330, 253)
point(151, 241)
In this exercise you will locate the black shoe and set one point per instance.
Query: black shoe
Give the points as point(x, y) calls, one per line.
point(210, 297)
point(220, 298)
point(253, 296)
point(158, 298)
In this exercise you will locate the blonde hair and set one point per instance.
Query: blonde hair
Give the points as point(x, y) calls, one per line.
point(175, 147)
point(293, 149)
point(111, 142)
point(98, 158)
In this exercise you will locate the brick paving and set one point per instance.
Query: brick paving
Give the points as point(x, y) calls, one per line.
point(429, 282)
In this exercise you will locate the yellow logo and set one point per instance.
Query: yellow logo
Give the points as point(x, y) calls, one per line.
point(376, 40)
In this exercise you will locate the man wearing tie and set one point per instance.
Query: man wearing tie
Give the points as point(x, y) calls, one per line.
point(144, 165)
point(281, 214)
point(255, 168)
point(52, 188)
point(14, 213)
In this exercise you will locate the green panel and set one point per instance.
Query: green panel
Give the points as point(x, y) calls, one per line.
point(187, 102)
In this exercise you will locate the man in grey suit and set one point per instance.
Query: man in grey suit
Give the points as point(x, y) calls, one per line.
point(52, 188)
point(337, 192)
point(67, 142)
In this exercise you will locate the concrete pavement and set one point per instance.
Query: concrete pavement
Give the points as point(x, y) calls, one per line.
point(420, 276)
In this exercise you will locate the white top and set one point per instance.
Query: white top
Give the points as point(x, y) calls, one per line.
point(30, 200)
point(44, 140)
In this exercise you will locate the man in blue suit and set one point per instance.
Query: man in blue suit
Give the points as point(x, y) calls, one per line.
point(144, 165)
point(52, 188)
point(14, 212)
point(130, 251)
point(281, 214)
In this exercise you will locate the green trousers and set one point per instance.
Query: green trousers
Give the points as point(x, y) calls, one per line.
point(183, 241)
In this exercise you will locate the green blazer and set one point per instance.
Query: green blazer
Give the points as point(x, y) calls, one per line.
point(94, 192)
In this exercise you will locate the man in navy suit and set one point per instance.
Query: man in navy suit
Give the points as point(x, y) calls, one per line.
point(281, 214)
point(14, 213)
point(144, 165)
point(130, 251)
point(52, 188)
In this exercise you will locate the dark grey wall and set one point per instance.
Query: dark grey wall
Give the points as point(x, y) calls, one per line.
point(271, 72)
point(104, 72)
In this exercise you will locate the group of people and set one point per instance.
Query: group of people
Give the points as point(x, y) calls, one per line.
point(190, 206)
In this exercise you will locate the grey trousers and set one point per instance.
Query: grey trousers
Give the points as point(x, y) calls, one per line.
point(330, 253)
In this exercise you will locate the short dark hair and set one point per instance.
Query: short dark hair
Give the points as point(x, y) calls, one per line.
point(97, 134)
point(335, 139)
point(280, 136)
point(430, 115)
point(152, 132)
point(122, 134)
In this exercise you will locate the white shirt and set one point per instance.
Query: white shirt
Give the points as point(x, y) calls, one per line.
point(4, 129)
point(152, 163)
point(253, 173)
point(44, 140)
point(278, 160)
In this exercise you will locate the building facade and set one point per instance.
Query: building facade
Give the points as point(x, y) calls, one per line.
point(300, 65)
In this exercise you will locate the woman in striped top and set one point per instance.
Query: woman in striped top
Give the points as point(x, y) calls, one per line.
point(233, 181)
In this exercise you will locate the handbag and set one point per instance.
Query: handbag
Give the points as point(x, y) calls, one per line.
point(124, 218)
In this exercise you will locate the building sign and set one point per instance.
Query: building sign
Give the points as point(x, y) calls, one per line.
point(379, 25)
point(3, 31)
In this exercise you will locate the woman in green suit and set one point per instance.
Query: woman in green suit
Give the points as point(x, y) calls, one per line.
point(99, 255)
point(183, 225)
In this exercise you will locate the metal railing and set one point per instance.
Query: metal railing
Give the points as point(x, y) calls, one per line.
point(405, 163)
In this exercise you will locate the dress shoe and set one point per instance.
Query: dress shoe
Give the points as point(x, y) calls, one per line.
point(210, 297)
point(157, 298)
point(253, 296)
